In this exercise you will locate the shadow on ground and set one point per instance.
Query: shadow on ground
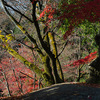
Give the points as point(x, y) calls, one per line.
point(65, 92)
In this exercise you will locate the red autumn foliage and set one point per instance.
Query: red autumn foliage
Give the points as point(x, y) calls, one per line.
point(20, 79)
point(75, 13)
point(87, 59)
point(48, 10)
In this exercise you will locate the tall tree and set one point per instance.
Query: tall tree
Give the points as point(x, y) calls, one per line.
point(52, 72)
point(43, 14)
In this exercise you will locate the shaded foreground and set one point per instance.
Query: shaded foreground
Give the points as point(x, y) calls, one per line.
point(64, 91)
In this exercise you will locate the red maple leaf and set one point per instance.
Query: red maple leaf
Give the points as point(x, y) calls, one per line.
point(87, 59)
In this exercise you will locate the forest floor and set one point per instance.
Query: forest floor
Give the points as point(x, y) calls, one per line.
point(64, 91)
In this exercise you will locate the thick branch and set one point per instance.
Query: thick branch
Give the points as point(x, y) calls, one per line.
point(25, 62)
point(23, 31)
point(18, 12)
point(10, 37)
point(22, 59)
point(45, 47)
point(53, 46)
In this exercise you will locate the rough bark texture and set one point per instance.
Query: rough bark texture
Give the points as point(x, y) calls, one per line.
point(52, 72)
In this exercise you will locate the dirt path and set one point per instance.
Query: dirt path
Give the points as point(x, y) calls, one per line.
point(65, 91)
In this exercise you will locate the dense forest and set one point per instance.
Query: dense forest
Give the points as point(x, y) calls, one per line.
point(45, 42)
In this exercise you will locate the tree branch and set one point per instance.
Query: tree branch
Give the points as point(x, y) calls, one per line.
point(62, 49)
point(23, 30)
point(51, 55)
point(22, 59)
point(45, 47)
point(18, 12)
point(54, 47)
